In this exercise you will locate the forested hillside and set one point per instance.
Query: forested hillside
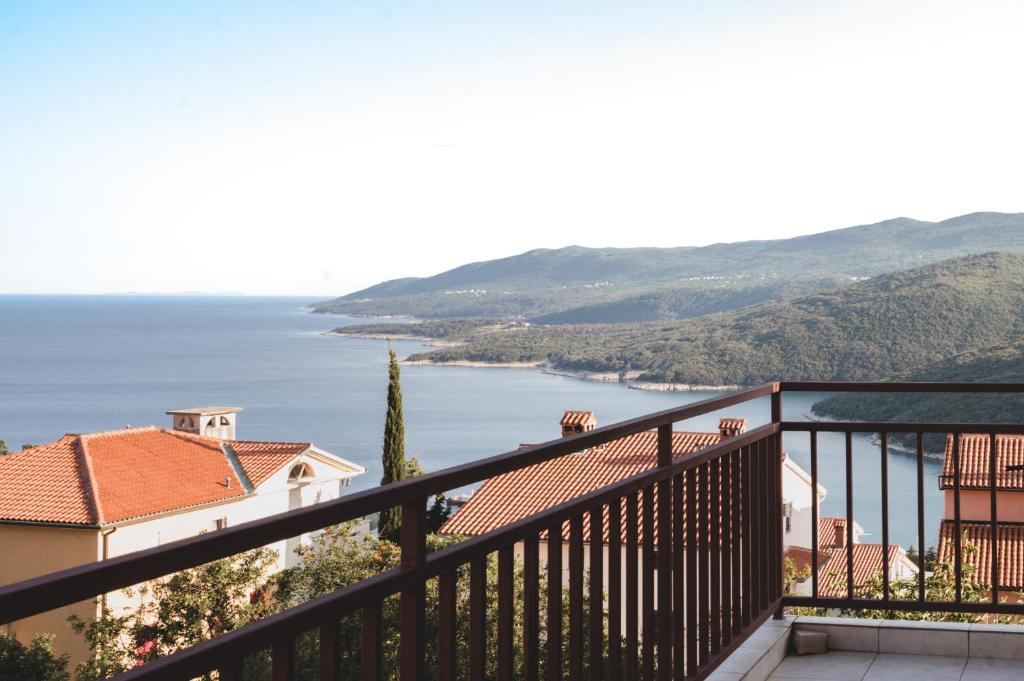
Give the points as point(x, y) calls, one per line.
point(1000, 364)
point(866, 331)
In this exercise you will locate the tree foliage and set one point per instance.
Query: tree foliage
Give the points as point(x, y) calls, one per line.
point(940, 586)
point(393, 456)
point(996, 364)
point(439, 510)
point(33, 662)
point(177, 612)
point(341, 556)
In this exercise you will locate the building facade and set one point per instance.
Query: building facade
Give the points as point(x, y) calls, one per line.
point(88, 497)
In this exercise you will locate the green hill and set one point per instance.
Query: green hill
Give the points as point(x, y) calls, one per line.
point(577, 285)
point(999, 364)
point(866, 331)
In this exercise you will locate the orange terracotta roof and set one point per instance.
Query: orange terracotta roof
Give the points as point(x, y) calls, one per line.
point(801, 557)
point(867, 563)
point(48, 482)
point(577, 418)
point(260, 460)
point(140, 472)
point(979, 535)
point(512, 496)
point(974, 461)
point(109, 477)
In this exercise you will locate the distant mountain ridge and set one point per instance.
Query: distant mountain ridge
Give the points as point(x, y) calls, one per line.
point(592, 285)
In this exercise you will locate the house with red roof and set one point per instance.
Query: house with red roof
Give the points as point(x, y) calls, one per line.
point(521, 493)
point(834, 559)
point(976, 487)
point(88, 497)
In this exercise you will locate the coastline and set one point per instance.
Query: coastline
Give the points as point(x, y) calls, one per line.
point(429, 342)
point(630, 379)
point(472, 363)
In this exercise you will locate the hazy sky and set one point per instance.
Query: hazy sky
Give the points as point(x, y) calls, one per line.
point(314, 148)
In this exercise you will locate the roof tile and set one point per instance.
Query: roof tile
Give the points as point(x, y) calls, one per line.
point(974, 462)
point(260, 460)
point(1010, 544)
point(118, 475)
point(518, 494)
point(867, 563)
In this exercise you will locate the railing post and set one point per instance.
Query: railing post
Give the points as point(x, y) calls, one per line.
point(413, 599)
point(775, 516)
point(329, 636)
point(777, 404)
point(780, 576)
point(283, 660)
point(664, 549)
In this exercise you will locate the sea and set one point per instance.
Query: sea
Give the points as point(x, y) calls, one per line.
point(91, 363)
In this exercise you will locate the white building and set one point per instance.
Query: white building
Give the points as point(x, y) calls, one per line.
point(88, 497)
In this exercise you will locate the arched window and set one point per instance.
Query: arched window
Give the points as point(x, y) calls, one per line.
point(300, 471)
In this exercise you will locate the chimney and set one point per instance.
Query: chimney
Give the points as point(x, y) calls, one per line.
point(577, 422)
point(215, 422)
point(839, 540)
point(731, 427)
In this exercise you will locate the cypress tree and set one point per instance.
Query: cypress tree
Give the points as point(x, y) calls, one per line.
point(393, 456)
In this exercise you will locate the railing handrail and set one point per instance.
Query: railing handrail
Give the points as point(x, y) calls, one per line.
point(901, 427)
point(68, 586)
point(899, 387)
point(51, 591)
point(246, 640)
point(44, 593)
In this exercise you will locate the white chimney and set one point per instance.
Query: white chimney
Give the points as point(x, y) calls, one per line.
point(215, 422)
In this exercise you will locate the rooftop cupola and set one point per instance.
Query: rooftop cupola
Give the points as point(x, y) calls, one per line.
point(577, 422)
point(217, 422)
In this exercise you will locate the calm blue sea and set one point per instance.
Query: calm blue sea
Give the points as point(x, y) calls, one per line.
point(88, 363)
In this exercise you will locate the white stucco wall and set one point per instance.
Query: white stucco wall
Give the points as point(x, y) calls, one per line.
point(275, 495)
point(796, 490)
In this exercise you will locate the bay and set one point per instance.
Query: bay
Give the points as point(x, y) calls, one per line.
point(92, 363)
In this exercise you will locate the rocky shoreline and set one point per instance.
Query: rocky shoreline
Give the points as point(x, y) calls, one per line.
point(429, 342)
point(471, 363)
point(628, 378)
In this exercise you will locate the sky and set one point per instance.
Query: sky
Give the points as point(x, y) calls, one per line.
point(314, 148)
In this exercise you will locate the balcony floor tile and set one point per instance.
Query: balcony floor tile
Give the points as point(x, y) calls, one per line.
point(895, 667)
point(839, 665)
point(985, 669)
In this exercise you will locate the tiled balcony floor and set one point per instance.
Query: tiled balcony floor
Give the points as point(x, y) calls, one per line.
point(844, 665)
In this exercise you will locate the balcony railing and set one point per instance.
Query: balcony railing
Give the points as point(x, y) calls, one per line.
point(706, 570)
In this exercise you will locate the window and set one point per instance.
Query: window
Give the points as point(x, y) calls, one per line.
point(212, 423)
point(220, 523)
point(300, 471)
point(224, 421)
